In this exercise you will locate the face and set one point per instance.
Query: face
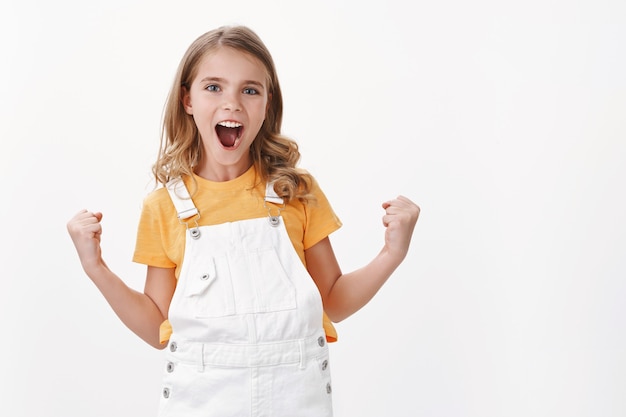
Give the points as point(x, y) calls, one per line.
point(228, 100)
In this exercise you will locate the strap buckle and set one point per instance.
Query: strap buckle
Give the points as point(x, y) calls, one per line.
point(194, 231)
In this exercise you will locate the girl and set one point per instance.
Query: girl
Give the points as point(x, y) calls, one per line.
point(242, 284)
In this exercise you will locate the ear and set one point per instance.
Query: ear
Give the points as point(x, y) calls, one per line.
point(186, 100)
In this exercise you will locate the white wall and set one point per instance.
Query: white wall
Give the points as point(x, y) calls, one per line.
point(505, 121)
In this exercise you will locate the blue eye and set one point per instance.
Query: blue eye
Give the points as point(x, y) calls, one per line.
point(251, 91)
point(212, 87)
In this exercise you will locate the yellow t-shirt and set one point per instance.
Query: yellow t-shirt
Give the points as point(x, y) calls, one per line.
point(161, 237)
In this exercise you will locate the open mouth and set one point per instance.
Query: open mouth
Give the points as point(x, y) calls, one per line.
point(228, 132)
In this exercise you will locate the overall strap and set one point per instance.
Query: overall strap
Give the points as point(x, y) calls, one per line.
point(185, 209)
point(181, 199)
point(270, 194)
point(272, 197)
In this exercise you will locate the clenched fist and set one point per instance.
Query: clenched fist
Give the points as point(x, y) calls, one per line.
point(400, 217)
point(85, 230)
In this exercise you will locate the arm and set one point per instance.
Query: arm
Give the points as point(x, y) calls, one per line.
point(142, 313)
point(344, 294)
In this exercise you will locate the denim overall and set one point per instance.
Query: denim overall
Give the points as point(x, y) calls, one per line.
point(247, 322)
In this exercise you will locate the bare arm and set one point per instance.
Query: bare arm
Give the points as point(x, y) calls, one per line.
point(344, 294)
point(142, 313)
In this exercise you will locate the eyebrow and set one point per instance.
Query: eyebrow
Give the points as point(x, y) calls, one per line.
point(223, 80)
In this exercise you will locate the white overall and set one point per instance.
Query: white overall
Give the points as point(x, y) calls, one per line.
point(246, 316)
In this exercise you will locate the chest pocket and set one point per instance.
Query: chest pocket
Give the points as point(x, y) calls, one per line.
point(239, 283)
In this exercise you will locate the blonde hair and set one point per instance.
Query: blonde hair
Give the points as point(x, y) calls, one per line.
point(274, 156)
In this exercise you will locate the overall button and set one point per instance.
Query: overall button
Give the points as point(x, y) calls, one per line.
point(173, 347)
point(324, 365)
point(166, 393)
point(170, 367)
point(321, 341)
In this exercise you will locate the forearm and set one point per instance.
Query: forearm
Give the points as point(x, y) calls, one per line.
point(353, 290)
point(345, 294)
point(136, 310)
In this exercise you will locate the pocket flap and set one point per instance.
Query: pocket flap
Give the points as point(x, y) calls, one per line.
point(200, 279)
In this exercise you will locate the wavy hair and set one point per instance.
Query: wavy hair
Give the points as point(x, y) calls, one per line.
point(274, 156)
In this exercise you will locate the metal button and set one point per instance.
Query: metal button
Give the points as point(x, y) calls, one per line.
point(321, 341)
point(170, 367)
point(173, 347)
point(324, 365)
point(166, 393)
point(329, 389)
point(274, 220)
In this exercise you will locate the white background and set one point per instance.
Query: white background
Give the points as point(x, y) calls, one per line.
point(505, 121)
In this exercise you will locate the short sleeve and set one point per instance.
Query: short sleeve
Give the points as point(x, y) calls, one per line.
point(149, 246)
point(321, 219)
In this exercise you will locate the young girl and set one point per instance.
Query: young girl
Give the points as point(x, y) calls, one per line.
point(242, 284)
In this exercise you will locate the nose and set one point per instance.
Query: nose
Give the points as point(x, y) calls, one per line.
point(231, 101)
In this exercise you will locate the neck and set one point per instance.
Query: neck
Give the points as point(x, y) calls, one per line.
point(221, 173)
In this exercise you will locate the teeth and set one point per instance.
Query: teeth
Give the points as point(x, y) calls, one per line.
point(230, 124)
